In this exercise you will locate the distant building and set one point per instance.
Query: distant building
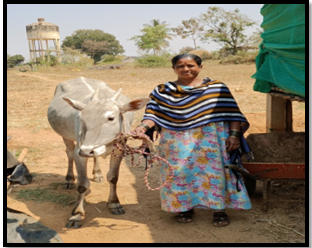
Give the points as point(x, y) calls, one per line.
point(43, 40)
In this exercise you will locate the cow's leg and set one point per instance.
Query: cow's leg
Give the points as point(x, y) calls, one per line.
point(83, 185)
point(70, 178)
point(97, 175)
point(112, 177)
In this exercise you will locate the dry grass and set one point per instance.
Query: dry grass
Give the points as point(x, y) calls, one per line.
point(29, 93)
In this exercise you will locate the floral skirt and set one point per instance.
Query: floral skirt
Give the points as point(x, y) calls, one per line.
point(200, 180)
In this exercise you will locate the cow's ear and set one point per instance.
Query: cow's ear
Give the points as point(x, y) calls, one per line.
point(75, 104)
point(134, 105)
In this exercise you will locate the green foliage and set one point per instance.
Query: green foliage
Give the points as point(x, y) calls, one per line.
point(226, 28)
point(14, 60)
point(153, 61)
point(76, 40)
point(53, 60)
point(48, 60)
point(154, 37)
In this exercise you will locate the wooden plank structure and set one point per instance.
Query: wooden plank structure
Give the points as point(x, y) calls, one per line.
point(279, 110)
point(278, 157)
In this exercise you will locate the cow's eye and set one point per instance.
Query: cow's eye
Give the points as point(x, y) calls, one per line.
point(111, 118)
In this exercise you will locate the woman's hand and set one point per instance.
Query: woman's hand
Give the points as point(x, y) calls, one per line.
point(143, 127)
point(232, 143)
point(139, 130)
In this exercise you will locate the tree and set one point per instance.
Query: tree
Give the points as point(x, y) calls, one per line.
point(14, 60)
point(226, 28)
point(155, 37)
point(255, 38)
point(93, 47)
point(76, 40)
point(191, 29)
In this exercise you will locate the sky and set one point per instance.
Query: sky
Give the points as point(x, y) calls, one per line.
point(120, 20)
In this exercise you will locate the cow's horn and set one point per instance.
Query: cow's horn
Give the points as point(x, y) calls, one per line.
point(116, 95)
point(95, 95)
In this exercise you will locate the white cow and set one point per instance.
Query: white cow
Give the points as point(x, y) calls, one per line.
point(89, 112)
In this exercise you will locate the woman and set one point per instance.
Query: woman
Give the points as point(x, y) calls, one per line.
point(201, 123)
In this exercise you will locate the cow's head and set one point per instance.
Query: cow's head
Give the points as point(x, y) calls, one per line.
point(100, 121)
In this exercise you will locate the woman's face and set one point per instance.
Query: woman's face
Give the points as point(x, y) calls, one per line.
point(187, 68)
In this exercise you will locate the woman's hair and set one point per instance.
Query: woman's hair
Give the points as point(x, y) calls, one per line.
point(196, 58)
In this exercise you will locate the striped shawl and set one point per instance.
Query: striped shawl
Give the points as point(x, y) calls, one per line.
point(180, 108)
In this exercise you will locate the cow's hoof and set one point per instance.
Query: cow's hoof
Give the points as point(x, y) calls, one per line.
point(98, 179)
point(116, 208)
point(74, 221)
point(68, 186)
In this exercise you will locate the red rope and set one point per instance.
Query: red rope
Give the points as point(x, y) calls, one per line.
point(120, 143)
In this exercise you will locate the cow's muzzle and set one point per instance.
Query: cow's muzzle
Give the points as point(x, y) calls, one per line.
point(85, 152)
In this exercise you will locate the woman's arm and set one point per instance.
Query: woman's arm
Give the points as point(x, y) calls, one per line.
point(235, 125)
point(233, 141)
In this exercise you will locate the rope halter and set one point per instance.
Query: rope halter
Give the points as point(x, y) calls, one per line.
point(120, 143)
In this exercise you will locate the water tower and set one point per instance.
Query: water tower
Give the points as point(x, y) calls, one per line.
point(43, 39)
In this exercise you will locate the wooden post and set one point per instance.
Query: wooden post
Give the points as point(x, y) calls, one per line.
point(58, 49)
point(289, 116)
point(41, 49)
point(275, 114)
point(30, 50)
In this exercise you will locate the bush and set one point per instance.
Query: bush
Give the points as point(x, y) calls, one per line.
point(153, 61)
point(240, 58)
point(84, 62)
point(111, 59)
point(48, 60)
point(14, 60)
point(215, 55)
point(108, 58)
point(24, 68)
point(75, 58)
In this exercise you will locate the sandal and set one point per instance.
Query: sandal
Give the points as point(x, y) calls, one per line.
point(220, 219)
point(185, 217)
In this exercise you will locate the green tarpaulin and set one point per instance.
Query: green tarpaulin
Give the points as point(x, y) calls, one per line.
point(281, 59)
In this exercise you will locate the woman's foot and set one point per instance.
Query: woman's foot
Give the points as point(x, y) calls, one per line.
point(220, 219)
point(185, 217)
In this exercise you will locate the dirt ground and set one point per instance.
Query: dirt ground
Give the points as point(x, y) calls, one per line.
point(29, 95)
